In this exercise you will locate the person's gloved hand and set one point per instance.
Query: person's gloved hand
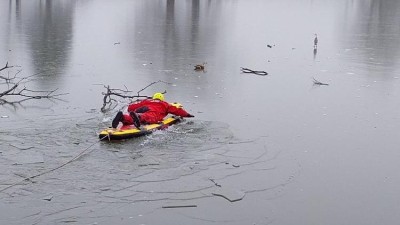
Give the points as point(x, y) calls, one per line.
point(190, 115)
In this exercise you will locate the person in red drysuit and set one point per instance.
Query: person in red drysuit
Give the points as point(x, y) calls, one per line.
point(149, 111)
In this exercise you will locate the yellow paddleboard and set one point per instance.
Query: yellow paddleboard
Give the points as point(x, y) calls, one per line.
point(130, 131)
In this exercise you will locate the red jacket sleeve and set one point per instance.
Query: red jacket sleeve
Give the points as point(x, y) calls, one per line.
point(177, 111)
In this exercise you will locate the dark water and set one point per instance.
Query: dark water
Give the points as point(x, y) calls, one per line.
point(293, 152)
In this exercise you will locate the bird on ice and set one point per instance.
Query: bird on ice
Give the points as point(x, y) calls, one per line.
point(315, 41)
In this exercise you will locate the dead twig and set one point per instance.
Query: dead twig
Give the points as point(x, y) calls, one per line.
point(152, 83)
point(178, 206)
point(13, 91)
point(108, 99)
point(5, 67)
point(256, 72)
point(110, 92)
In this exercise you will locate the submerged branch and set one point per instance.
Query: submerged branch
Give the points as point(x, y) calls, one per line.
point(108, 95)
point(152, 83)
point(5, 67)
point(256, 72)
point(12, 93)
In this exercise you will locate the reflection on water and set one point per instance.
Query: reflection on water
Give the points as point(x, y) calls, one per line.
point(315, 53)
point(46, 27)
point(49, 36)
point(167, 30)
point(372, 27)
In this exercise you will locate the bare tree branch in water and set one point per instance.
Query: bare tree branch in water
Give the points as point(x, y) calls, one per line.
point(256, 72)
point(14, 91)
point(6, 67)
point(110, 103)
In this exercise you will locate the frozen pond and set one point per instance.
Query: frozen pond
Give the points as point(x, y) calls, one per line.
point(275, 149)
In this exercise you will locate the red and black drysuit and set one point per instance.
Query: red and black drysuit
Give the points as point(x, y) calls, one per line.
point(152, 111)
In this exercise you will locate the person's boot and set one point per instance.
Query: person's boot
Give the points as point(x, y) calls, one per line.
point(136, 120)
point(117, 119)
